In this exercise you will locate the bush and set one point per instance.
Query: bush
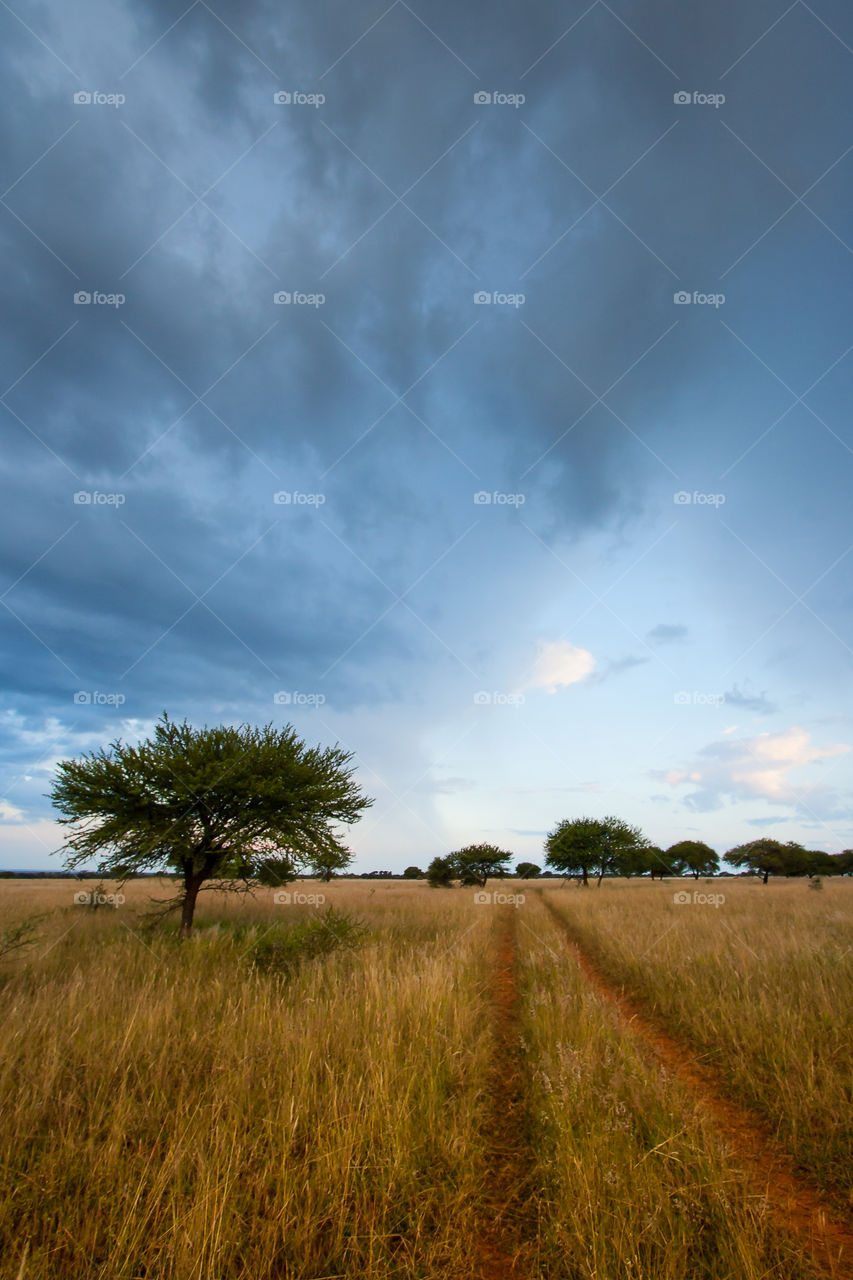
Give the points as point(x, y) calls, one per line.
point(282, 950)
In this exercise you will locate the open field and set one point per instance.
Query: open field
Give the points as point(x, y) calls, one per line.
point(590, 1085)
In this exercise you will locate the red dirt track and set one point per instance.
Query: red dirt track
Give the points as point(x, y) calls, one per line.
point(798, 1209)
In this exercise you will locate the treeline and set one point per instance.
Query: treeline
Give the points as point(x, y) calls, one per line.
point(586, 848)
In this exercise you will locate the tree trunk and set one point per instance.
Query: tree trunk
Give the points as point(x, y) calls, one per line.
point(192, 884)
point(766, 874)
point(585, 879)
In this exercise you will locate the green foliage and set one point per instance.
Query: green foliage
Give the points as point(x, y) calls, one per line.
point(693, 856)
point(413, 873)
point(766, 857)
point(282, 949)
point(207, 803)
point(440, 873)
point(582, 845)
point(328, 862)
point(274, 873)
point(528, 870)
point(476, 862)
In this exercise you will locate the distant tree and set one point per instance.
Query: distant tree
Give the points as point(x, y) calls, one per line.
point(327, 863)
point(413, 873)
point(476, 862)
point(440, 873)
point(642, 859)
point(528, 870)
point(843, 862)
point(582, 845)
point(274, 873)
point(765, 857)
point(693, 856)
point(200, 801)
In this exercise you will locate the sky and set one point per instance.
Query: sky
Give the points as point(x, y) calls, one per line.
point(467, 385)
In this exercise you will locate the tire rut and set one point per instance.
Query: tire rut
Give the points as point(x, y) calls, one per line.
point(502, 1244)
point(798, 1209)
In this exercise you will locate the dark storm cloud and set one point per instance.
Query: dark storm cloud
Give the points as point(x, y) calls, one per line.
point(198, 397)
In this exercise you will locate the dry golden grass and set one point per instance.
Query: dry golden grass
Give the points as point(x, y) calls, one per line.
point(762, 985)
point(171, 1113)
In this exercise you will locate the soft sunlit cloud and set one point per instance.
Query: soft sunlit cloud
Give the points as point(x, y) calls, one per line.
point(558, 665)
point(760, 767)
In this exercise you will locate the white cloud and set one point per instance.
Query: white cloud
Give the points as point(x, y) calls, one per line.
point(8, 812)
point(759, 768)
point(560, 664)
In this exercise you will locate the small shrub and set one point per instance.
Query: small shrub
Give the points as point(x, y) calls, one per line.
point(282, 950)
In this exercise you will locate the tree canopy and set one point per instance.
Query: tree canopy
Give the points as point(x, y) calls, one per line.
point(694, 856)
point(203, 802)
point(476, 862)
point(579, 846)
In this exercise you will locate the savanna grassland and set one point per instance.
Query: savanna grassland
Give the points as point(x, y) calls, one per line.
point(588, 1084)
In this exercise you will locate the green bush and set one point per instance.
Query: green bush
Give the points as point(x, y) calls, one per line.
point(282, 950)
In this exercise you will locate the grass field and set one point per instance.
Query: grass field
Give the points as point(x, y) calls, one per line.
point(574, 1087)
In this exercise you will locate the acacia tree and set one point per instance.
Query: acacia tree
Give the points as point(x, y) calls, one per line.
point(694, 856)
point(476, 862)
point(471, 865)
point(528, 870)
point(579, 846)
point(764, 857)
point(203, 802)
